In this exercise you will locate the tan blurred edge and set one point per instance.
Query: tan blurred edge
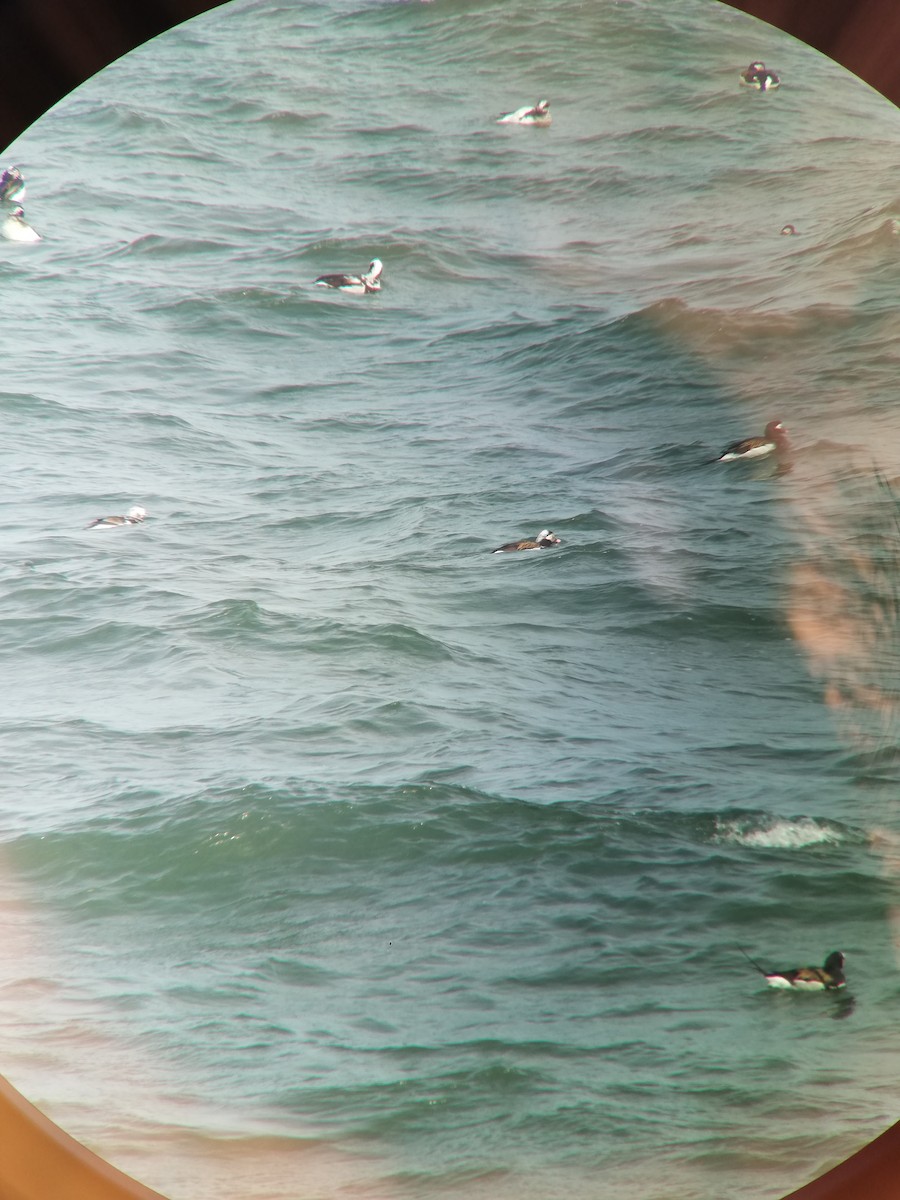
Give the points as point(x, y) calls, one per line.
point(872, 1173)
point(39, 1161)
point(54, 45)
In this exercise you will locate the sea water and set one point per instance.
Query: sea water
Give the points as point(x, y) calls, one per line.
point(340, 856)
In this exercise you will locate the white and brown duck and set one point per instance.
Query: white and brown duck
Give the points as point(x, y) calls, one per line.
point(544, 541)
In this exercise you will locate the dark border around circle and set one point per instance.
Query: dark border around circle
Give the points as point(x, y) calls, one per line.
point(52, 46)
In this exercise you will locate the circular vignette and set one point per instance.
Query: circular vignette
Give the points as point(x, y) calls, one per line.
point(54, 46)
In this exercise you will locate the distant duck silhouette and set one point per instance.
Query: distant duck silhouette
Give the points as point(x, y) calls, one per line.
point(756, 76)
point(16, 229)
point(773, 441)
point(134, 516)
point(788, 230)
point(828, 977)
point(544, 540)
point(12, 186)
point(358, 285)
point(538, 114)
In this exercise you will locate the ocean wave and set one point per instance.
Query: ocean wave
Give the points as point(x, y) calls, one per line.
point(154, 244)
point(284, 121)
point(243, 620)
point(314, 799)
point(879, 240)
point(418, 827)
point(766, 832)
point(735, 327)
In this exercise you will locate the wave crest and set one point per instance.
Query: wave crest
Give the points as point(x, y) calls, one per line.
point(780, 833)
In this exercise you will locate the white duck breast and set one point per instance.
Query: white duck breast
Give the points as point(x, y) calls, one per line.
point(537, 114)
point(799, 985)
point(358, 285)
point(747, 449)
point(16, 229)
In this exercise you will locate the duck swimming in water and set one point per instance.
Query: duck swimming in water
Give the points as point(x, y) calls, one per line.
point(828, 977)
point(757, 76)
point(544, 540)
point(134, 516)
point(12, 186)
point(773, 441)
point(16, 229)
point(358, 285)
point(538, 114)
point(788, 230)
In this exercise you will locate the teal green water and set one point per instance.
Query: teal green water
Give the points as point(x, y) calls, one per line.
point(339, 855)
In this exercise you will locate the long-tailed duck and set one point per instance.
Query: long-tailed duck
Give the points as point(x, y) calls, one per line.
point(537, 114)
point(828, 977)
point(359, 285)
point(16, 229)
point(12, 186)
point(774, 440)
point(757, 76)
point(134, 516)
point(544, 540)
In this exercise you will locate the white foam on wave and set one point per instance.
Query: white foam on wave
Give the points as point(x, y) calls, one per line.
point(779, 834)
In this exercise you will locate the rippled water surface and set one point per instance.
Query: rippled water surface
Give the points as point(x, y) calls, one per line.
point(341, 857)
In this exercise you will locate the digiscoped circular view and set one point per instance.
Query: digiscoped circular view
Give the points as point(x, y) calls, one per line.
point(340, 854)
